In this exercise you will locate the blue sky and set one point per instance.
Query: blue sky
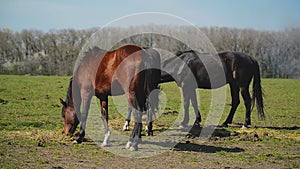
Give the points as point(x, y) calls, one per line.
point(79, 14)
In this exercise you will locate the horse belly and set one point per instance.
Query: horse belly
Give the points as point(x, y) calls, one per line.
point(211, 82)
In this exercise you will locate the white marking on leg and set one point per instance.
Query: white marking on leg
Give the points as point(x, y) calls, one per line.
point(234, 74)
point(106, 139)
point(146, 128)
point(126, 126)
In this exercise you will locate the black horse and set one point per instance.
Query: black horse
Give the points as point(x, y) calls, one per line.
point(237, 69)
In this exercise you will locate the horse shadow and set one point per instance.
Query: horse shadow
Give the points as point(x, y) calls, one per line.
point(279, 128)
point(190, 142)
point(195, 133)
point(205, 148)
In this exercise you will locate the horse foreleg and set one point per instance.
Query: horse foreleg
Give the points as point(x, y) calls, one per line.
point(104, 116)
point(86, 100)
point(235, 101)
point(126, 126)
point(247, 102)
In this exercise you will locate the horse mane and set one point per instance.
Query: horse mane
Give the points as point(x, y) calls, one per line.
point(69, 97)
point(92, 51)
point(178, 53)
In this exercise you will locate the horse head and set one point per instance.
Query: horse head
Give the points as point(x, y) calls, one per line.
point(70, 118)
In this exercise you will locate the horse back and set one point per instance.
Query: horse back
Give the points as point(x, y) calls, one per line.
point(115, 70)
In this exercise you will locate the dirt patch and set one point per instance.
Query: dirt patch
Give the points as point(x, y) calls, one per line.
point(227, 148)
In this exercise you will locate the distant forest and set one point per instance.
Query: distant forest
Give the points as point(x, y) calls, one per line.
point(54, 53)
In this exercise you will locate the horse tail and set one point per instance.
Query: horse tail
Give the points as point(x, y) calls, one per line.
point(257, 92)
point(152, 77)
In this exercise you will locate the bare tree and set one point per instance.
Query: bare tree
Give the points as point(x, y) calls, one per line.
point(55, 52)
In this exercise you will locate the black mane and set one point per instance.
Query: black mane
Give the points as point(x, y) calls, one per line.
point(69, 92)
point(178, 53)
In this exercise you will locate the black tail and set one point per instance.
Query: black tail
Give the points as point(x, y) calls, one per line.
point(152, 87)
point(152, 77)
point(257, 93)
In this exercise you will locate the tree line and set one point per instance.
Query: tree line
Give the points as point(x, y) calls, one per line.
point(54, 53)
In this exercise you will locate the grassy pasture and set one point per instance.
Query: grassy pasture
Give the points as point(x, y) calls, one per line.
point(31, 125)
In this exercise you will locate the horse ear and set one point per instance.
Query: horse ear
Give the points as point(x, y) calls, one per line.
point(63, 102)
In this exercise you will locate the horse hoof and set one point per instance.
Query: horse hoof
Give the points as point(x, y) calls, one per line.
point(150, 133)
point(128, 145)
point(196, 124)
point(224, 125)
point(78, 141)
point(103, 145)
point(125, 128)
point(182, 126)
point(245, 126)
point(133, 148)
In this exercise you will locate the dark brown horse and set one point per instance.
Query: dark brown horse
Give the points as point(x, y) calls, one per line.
point(129, 70)
point(238, 69)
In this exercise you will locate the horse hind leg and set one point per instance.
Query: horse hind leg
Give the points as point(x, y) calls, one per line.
point(135, 137)
point(193, 97)
point(152, 107)
point(247, 102)
point(149, 127)
point(104, 113)
point(186, 105)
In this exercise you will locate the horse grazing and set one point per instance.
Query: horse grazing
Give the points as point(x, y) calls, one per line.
point(128, 70)
point(237, 68)
point(84, 79)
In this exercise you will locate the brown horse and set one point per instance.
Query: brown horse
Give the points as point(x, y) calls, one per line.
point(84, 77)
point(238, 69)
point(128, 70)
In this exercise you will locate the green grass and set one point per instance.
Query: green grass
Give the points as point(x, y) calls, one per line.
point(31, 125)
point(32, 102)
